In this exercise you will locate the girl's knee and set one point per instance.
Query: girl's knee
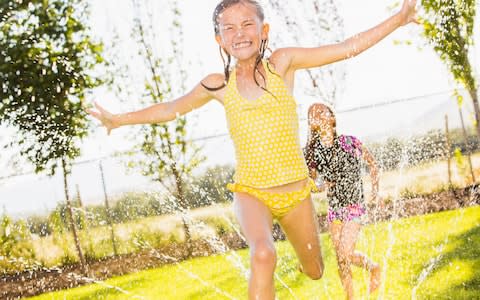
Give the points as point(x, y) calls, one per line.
point(344, 257)
point(263, 253)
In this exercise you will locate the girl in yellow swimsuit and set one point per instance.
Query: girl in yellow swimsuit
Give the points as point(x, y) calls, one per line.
point(271, 179)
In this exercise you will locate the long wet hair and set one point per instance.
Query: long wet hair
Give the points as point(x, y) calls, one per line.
point(223, 5)
point(313, 135)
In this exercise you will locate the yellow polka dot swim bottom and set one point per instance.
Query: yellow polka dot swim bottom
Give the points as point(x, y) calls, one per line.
point(278, 203)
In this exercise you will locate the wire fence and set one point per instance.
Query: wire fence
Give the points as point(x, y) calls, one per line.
point(23, 193)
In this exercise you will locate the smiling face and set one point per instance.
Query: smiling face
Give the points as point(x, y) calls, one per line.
point(322, 120)
point(241, 30)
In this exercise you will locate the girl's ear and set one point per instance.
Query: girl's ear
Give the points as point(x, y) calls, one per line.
point(265, 30)
point(218, 38)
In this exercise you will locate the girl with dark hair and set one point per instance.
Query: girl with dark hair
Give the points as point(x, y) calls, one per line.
point(338, 160)
point(271, 178)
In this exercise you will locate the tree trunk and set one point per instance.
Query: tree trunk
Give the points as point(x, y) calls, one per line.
point(108, 211)
point(476, 109)
point(73, 227)
point(183, 204)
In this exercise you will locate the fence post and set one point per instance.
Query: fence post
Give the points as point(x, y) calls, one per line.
point(467, 144)
point(83, 214)
point(76, 239)
point(107, 207)
point(449, 156)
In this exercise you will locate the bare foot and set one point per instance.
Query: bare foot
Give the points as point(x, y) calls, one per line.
point(375, 280)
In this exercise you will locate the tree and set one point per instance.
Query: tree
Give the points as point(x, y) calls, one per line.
point(448, 26)
point(46, 57)
point(163, 152)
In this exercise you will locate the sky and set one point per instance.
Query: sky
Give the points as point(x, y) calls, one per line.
point(387, 72)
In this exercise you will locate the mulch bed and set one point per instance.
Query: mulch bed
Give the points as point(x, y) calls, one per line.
point(34, 282)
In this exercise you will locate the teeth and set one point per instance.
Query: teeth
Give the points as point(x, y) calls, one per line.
point(241, 45)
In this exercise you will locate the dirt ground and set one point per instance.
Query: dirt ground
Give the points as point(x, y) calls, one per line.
point(34, 282)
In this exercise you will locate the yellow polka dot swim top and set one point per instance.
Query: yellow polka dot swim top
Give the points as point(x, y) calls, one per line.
point(265, 134)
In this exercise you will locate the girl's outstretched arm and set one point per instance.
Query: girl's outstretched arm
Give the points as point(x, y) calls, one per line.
point(304, 58)
point(161, 112)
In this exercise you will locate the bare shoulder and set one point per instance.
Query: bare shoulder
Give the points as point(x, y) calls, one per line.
point(281, 59)
point(214, 84)
point(214, 79)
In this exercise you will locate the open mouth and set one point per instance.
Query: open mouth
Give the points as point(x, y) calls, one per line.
point(240, 45)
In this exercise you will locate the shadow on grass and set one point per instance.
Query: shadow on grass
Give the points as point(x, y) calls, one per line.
point(464, 248)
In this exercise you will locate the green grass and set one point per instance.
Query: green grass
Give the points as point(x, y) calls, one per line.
point(434, 256)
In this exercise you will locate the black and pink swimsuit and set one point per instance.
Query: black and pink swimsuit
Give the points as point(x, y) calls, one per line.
point(340, 165)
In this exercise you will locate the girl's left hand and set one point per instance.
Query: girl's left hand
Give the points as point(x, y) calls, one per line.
point(409, 12)
point(379, 208)
point(381, 202)
point(378, 200)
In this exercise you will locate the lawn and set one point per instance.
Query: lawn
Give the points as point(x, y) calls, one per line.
point(433, 256)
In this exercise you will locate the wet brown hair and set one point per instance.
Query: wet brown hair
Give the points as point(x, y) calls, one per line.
point(223, 5)
point(314, 136)
point(322, 106)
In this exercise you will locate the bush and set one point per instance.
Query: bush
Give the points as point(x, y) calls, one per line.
point(39, 225)
point(210, 187)
point(218, 223)
point(16, 248)
point(395, 153)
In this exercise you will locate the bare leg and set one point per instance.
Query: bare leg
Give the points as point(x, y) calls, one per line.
point(344, 269)
point(344, 236)
point(350, 233)
point(301, 228)
point(256, 224)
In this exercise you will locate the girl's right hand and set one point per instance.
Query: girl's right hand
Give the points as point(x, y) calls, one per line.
point(320, 188)
point(409, 12)
point(105, 117)
point(380, 202)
